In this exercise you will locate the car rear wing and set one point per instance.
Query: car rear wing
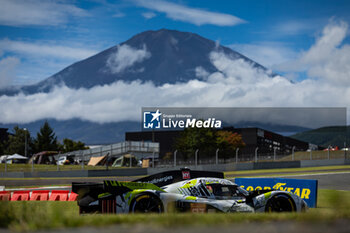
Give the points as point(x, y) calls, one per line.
point(169, 177)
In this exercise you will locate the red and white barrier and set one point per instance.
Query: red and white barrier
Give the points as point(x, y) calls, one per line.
point(38, 195)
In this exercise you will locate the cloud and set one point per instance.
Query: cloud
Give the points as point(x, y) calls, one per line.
point(118, 15)
point(8, 70)
point(125, 57)
point(295, 27)
point(37, 12)
point(191, 15)
point(266, 53)
point(148, 15)
point(237, 83)
point(38, 49)
point(201, 73)
point(328, 59)
point(34, 54)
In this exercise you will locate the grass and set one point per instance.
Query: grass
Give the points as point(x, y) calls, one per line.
point(284, 171)
point(318, 154)
point(25, 216)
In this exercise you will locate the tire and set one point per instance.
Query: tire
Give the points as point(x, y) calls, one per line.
point(280, 203)
point(146, 203)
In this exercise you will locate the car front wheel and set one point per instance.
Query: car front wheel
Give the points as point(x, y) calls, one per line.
point(280, 203)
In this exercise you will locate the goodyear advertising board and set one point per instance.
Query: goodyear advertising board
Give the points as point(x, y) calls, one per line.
point(306, 189)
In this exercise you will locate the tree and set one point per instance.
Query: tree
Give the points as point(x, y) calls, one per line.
point(16, 142)
point(228, 142)
point(2, 149)
point(46, 139)
point(70, 145)
point(207, 141)
point(192, 139)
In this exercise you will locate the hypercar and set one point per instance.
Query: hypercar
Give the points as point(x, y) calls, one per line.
point(181, 191)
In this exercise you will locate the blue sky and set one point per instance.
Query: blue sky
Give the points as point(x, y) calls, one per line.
point(39, 38)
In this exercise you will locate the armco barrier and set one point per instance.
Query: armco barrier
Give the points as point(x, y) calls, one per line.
point(323, 162)
point(272, 165)
point(5, 195)
point(118, 172)
point(40, 195)
point(20, 196)
point(78, 173)
point(206, 167)
point(59, 195)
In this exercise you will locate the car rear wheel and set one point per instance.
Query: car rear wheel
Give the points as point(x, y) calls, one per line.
point(146, 203)
point(280, 203)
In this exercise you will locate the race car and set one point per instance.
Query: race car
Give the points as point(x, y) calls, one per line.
point(181, 191)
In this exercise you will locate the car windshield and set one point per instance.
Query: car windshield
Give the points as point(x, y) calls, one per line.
point(243, 191)
point(226, 191)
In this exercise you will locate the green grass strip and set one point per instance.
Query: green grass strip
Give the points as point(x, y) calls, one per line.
point(29, 216)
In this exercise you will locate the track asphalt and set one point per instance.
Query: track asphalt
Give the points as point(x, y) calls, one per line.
point(328, 179)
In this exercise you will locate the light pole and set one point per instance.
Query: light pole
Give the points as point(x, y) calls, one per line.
point(175, 152)
point(6, 163)
point(293, 148)
point(329, 149)
point(345, 148)
point(195, 156)
point(217, 156)
point(57, 162)
point(237, 154)
point(256, 154)
point(274, 153)
point(25, 142)
point(310, 153)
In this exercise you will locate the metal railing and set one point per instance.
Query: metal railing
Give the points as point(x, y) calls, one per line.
point(257, 156)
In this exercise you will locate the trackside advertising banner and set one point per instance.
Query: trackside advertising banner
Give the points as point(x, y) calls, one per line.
point(306, 189)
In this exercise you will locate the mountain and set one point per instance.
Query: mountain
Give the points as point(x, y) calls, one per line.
point(162, 56)
point(325, 136)
point(169, 56)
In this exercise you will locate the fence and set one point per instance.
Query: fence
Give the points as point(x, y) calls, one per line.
point(246, 158)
